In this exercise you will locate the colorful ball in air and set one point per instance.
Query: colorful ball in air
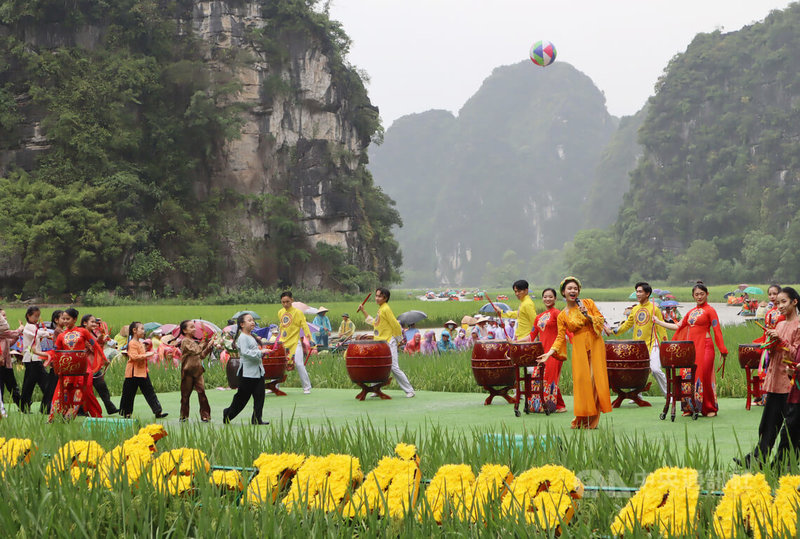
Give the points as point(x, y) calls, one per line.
point(543, 53)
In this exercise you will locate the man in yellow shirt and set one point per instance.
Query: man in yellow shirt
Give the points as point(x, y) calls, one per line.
point(641, 319)
point(291, 321)
point(388, 329)
point(347, 328)
point(526, 315)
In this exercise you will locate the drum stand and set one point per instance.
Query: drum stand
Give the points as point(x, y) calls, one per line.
point(675, 391)
point(272, 385)
point(375, 388)
point(633, 395)
point(526, 385)
point(753, 386)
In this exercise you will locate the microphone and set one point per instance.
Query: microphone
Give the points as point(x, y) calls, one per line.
point(580, 306)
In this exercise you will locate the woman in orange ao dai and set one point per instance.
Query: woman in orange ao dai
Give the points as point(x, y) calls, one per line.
point(590, 377)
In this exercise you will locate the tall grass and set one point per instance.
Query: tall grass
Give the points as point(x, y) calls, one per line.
point(599, 458)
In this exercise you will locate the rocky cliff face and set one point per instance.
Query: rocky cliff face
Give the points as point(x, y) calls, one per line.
point(309, 120)
point(305, 126)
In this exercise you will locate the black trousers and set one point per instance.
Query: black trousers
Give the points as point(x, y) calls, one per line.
point(52, 382)
point(790, 434)
point(9, 381)
point(247, 387)
point(99, 383)
point(772, 419)
point(129, 387)
point(34, 375)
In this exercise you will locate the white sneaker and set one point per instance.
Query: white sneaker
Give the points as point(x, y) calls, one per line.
point(307, 391)
point(410, 395)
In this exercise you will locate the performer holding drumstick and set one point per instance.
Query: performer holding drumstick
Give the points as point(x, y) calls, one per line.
point(388, 329)
point(291, 322)
point(525, 316)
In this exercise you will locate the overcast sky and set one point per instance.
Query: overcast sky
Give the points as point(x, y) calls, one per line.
point(426, 54)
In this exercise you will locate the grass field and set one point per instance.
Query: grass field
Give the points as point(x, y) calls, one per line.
point(446, 420)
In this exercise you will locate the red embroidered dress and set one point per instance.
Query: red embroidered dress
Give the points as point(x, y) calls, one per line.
point(74, 392)
point(546, 328)
point(696, 327)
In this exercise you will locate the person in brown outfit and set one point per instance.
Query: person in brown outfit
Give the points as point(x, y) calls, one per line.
point(192, 354)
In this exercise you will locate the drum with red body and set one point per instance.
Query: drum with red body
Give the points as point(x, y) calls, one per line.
point(750, 355)
point(368, 362)
point(525, 354)
point(274, 362)
point(677, 354)
point(70, 362)
point(628, 364)
point(491, 365)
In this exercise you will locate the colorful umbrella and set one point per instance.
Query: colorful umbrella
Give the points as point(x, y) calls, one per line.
point(669, 303)
point(665, 293)
point(303, 308)
point(168, 328)
point(411, 317)
point(150, 326)
point(632, 296)
point(202, 329)
point(488, 309)
point(752, 290)
point(251, 313)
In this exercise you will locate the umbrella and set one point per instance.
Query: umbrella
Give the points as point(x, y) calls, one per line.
point(150, 326)
point(632, 296)
point(167, 328)
point(657, 301)
point(665, 293)
point(251, 313)
point(232, 329)
point(669, 296)
point(658, 291)
point(669, 303)
point(303, 308)
point(729, 294)
point(202, 329)
point(752, 290)
point(411, 317)
point(488, 309)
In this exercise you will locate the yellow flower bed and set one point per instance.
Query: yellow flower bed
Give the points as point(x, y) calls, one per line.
point(746, 501)
point(173, 472)
point(227, 479)
point(274, 473)
point(14, 452)
point(667, 501)
point(544, 496)
point(391, 488)
point(323, 482)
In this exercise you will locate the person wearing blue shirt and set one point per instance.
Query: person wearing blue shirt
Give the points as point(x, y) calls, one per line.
point(324, 324)
point(251, 373)
point(445, 344)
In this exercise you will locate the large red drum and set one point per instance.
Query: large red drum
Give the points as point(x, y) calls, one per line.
point(368, 362)
point(749, 355)
point(491, 365)
point(525, 354)
point(274, 362)
point(677, 354)
point(70, 362)
point(628, 364)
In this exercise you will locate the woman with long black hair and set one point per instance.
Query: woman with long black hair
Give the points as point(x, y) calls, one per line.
point(99, 383)
point(35, 373)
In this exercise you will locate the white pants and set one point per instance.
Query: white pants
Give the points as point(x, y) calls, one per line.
point(655, 368)
point(400, 376)
point(300, 366)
